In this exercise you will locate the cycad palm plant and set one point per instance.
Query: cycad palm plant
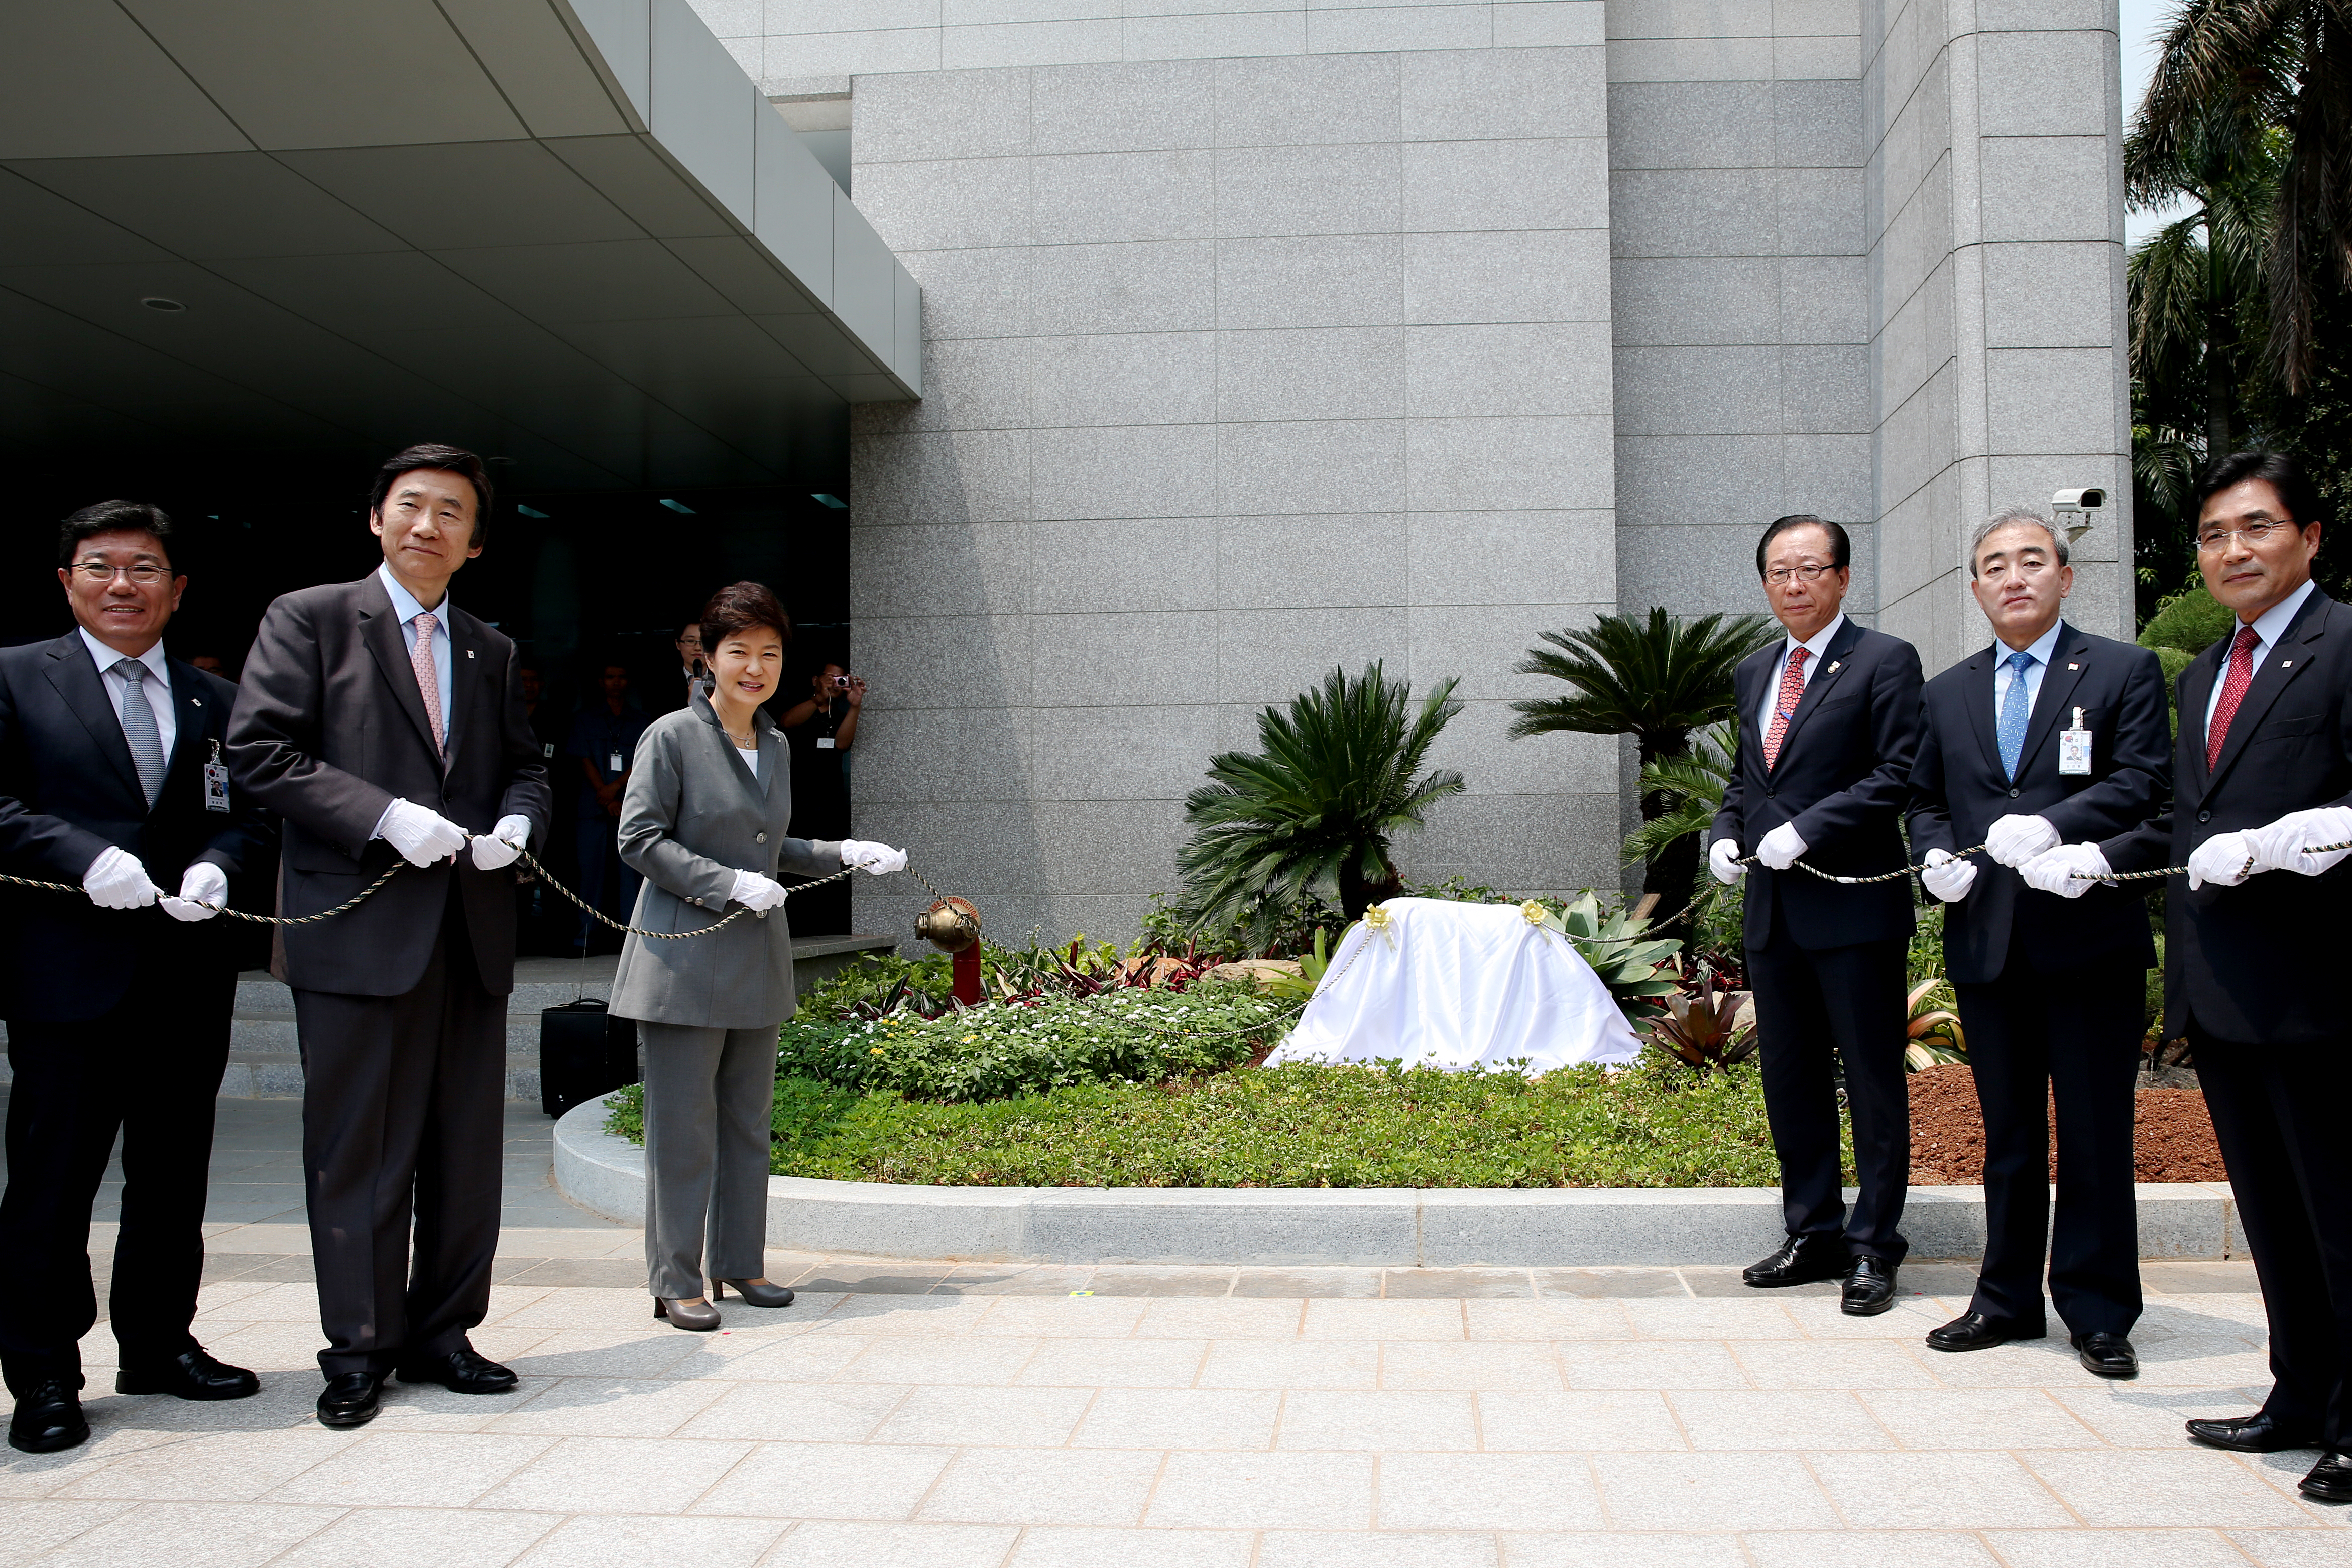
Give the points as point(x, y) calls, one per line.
point(1655, 678)
point(1312, 810)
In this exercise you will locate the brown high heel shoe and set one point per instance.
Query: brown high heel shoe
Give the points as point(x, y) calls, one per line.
point(755, 1293)
point(700, 1316)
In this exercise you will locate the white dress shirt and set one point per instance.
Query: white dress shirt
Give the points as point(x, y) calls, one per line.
point(2269, 627)
point(404, 605)
point(1815, 646)
point(158, 683)
point(2003, 672)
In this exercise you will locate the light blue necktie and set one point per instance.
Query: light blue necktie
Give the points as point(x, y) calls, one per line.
point(2012, 716)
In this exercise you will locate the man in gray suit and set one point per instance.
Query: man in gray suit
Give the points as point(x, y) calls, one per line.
point(384, 725)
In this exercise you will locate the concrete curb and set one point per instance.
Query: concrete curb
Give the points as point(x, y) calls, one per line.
point(1393, 1227)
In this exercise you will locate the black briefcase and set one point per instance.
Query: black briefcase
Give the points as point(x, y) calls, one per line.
point(583, 1051)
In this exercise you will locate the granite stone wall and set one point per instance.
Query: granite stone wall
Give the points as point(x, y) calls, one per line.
point(1995, 227)
point(1259, 341)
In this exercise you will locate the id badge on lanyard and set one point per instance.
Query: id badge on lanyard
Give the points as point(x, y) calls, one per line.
point(216, 782)
point(2075, 748)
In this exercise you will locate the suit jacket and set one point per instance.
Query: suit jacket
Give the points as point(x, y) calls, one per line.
point(1840, 780)
point(68, 790)
point(2251, 962)
point(330, 727)
point(691, 817)
point(1959, 790)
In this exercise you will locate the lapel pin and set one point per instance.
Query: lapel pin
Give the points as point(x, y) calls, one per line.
point(2286, 664)
point(1835, 665)
point(198, 702)
point(469, 653)
point(2074, 666)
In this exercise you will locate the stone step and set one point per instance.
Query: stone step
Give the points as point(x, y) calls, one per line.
point(265, 1060)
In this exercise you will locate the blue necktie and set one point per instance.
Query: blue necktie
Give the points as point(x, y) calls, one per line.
point(2012, 716)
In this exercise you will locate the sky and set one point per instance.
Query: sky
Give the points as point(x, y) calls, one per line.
point(2141, 21)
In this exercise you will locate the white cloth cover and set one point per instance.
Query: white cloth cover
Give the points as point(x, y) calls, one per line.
point(1450, 984)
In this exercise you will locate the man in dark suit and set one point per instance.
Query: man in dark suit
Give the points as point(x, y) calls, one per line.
point(2263, 775)
point(118, 1018)
point(1828, 718)
point(384, 724)
point(2050, 734)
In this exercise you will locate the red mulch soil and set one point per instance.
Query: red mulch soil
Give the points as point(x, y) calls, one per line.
point(2172, 1134)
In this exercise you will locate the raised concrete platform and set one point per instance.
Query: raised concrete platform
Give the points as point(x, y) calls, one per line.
point(1359, 1227)
point(265, 1063)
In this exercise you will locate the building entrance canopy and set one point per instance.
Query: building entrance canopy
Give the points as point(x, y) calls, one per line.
point(572, 234)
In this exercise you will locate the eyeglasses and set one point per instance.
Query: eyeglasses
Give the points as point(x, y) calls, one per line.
point(2212, 541)
point(1779, 575)
point(97, 574)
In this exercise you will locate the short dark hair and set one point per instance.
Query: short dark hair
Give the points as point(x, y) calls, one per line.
point(433, 454)
point(739, 607)
point(111, 517)
point(1841, 546)
point(2281, 472)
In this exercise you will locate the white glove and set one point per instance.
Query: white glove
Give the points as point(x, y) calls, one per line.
point(203, 893)
point(2054, 870)
point(1780, 846)
point(500, 845)
point(423, 837)
point(879, 859)
point(2225, 860)
point(2284, 845)
point(1948, 876)
point(2015, 839)
point(755, 892)
point(1723, 860)
point(115, 880)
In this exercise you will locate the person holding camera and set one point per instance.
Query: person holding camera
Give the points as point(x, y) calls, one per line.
point(705, 820)
point(820, 728)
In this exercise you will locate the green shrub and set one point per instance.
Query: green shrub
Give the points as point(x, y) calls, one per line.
point(1301, 1125)
point(999, 1048)
point(2192, 620)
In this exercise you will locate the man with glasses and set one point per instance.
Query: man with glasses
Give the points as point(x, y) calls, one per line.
point(1828, 718)
point(2263, 781)
point(2049, 734)
point(386, 726)
point(117, 1016)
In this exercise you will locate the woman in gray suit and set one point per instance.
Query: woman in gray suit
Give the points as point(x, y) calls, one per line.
point(703, 821)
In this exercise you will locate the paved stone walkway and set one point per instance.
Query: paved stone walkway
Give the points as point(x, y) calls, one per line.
point(939, 1416)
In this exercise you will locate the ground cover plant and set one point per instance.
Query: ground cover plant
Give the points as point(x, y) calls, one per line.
point(1298, 1125)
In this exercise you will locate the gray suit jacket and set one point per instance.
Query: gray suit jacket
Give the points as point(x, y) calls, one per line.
point(691, 817)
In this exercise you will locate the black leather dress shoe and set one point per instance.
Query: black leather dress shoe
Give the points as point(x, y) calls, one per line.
point(2330, 1480)
point(1974, 1331)
point(1869, 1288)
point(1802, 1261)
point(350, 1399)
point(2106, 1354)
point(2254, 1434)
point(461, 1372)
point(48, 1418)
point(191, 1374)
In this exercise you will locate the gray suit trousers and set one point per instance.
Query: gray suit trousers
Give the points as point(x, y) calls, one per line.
point(708, 1094)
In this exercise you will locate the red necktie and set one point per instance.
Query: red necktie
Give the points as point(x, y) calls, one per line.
point(1793, 691)
point(2233, 692)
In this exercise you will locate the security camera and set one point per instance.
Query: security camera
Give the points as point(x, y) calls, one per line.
point(2074, 508)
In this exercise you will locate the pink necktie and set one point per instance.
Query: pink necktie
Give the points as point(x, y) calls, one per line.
point(1793, 691)
point(428, 684)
